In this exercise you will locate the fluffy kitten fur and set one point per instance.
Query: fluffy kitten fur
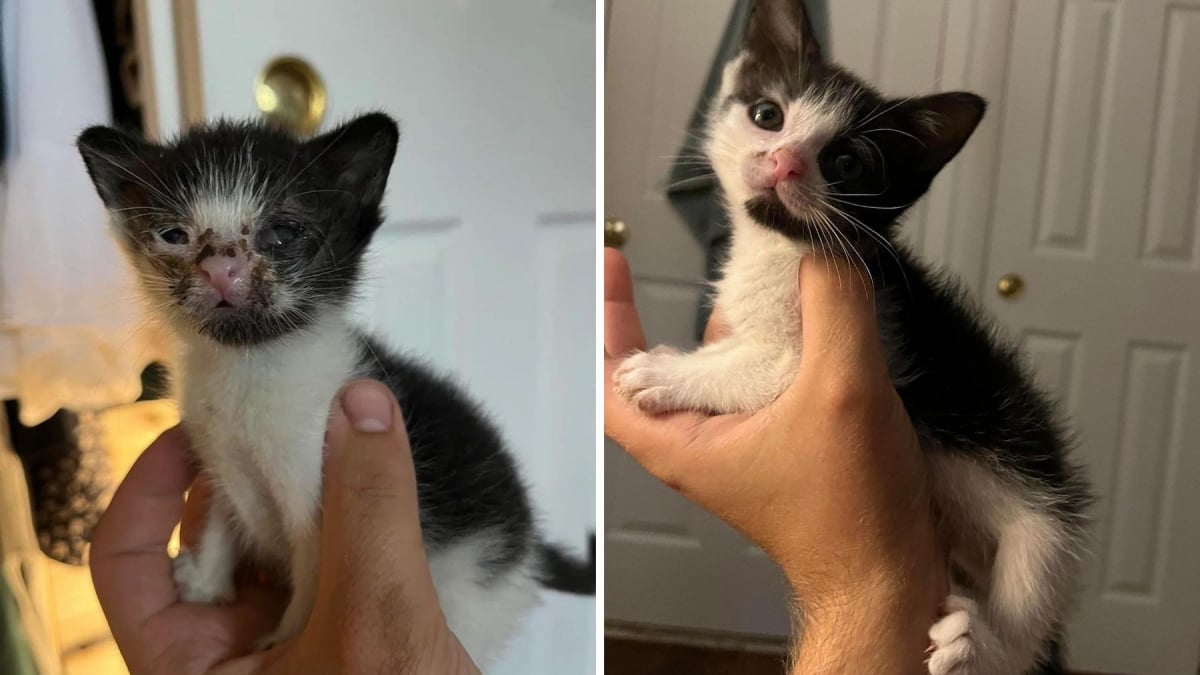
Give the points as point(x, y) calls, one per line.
point(247, 243)
point(810, 158)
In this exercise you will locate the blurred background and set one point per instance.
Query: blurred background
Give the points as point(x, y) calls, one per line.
point(1072, 215)
point(485, 265)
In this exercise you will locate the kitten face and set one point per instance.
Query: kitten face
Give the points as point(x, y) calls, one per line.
point(239, 232)
point(810, 150)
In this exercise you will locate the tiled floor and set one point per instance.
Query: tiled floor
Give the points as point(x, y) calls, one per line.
point(628, 657)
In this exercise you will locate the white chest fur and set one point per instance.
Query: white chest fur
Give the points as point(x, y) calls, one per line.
point(758, 293)
point(256, 418)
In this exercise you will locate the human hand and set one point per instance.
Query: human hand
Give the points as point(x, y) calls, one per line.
point(829, 479)
point(376, 609)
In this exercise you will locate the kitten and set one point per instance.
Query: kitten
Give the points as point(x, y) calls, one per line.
point(248, 244)
point(811, 159)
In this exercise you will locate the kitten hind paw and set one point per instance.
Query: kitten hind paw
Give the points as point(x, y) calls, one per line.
point(961, 643)
point(202, 586)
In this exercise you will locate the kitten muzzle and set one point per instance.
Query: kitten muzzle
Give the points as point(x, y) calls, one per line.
point(227, 273)
point(787, 164)
point(776, 169)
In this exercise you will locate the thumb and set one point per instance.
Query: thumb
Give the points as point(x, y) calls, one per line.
point(370, 491)
point(839, 329)
point(842, 353)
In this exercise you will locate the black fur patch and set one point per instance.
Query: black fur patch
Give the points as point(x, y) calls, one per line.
point(467, 480)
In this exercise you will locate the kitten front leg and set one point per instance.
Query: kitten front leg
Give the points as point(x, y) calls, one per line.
point(205, 574)
point(304, 570)
point(732, 375)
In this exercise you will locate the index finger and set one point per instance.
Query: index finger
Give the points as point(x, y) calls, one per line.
point(130, 566)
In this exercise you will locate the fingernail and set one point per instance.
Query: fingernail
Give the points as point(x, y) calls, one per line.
point(368, 406)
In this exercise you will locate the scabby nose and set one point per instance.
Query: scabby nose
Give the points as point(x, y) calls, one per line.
point(228, 273)
point(787, 164)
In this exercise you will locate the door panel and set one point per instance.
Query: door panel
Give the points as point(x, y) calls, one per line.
point(1096, 208)
point(485, 265)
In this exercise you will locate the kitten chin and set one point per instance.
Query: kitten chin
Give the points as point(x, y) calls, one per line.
point(769, 211)
point(246, 328)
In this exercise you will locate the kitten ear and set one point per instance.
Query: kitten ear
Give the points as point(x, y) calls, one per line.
point(943, 123)
point(360, 153)
point(109, 155)
point(782, 27)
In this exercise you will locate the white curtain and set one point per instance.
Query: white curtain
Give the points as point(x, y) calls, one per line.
point(72, 324)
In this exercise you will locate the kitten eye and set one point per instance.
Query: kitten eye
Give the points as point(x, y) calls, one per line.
point(279, 234)
point(767, 115)
point(173, 235)
point(847, 167)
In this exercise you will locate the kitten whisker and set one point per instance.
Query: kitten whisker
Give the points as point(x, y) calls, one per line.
point(879, 130)
point(883, 112)
point(873, 208)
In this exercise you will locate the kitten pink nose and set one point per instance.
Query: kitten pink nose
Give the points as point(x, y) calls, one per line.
point(786, 164)
point(227, 273)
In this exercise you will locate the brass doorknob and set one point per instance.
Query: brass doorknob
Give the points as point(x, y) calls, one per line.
point(289, 92)
point(615, 233)
point(1010, 286)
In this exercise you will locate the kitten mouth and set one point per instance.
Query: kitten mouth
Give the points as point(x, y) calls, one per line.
point(800, 200)
point(773, 212)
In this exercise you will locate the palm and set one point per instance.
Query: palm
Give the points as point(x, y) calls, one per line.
point(202, 636)
point(133, 575)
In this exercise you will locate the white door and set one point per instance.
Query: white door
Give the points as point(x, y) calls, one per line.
point(1084, 180)
point(1097, 207)
point(486, 262)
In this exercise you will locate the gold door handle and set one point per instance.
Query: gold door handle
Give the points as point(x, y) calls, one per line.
point(615, 233)
point(290, 93)
point(1010, 286)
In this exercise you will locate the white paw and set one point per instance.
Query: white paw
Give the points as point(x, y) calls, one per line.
point(953, 647)
point(199, 585)
point(650, 380)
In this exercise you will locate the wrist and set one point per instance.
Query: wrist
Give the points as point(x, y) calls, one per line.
point(873, 621)
point(871, 629)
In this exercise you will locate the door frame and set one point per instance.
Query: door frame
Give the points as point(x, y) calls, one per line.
point(171, 81)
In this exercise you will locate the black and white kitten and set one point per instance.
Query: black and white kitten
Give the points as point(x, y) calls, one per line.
point(247, 244)
point(810, 158)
